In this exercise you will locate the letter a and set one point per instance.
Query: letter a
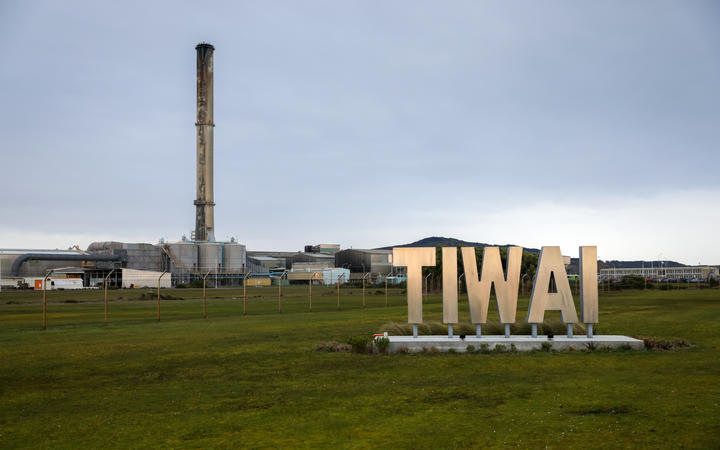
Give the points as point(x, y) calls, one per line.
point(551, 262)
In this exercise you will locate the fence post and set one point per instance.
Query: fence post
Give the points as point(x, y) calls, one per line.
point(47, 275)
point(280, 291)
point(205, 295)
point(158, 295)
point(363, 286)
point(386, 290)
point(106, 295)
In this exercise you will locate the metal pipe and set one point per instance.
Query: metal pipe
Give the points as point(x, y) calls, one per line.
point(427, 293)
point(158, 296)
point(386, 290)
point(534, 330)
point(415, 330)
point(280, 291)
point(205, 296)
point(311, 280)
point(569, 330)
point(15, 268)
point(589, 328)
point(522, 280)
point(363, 287)
point(450, 330)
point(478, 330)
point(507, 330)
point(106, 294)
point(47, 275)
point(338, 289)
point(245, 292)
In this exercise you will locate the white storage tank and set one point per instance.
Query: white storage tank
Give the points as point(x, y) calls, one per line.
point(211, 257)
point(234, 258)
point(184, 256)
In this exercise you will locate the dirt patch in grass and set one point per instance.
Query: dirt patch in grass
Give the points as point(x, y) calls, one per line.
point(331, 347)
point(153, 296)
point(601, 410)
point(661, 345)
point(482, 400)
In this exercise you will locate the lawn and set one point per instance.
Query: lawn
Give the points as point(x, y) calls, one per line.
point(253, 380)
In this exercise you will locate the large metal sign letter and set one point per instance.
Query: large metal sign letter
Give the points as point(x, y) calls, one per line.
point(450, 285)
point(588, 284)
point(551, 263)
point(414, 259)
point(506, 288)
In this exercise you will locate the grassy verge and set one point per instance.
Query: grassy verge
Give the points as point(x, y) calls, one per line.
point(253, 380)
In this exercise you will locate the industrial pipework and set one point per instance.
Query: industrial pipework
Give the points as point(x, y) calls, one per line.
point(17, 263)
point(204, 204)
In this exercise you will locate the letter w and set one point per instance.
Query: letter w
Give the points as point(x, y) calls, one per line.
point(506, 288)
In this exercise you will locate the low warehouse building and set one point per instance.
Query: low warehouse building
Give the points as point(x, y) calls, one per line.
point(134, 278)
point(361, 261)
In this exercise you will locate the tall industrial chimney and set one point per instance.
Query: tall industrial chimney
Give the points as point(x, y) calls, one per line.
point(204, 205)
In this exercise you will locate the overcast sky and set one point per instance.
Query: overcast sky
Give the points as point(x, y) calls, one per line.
point(367, 123)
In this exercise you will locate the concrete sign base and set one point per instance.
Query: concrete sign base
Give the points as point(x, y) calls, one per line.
point(521, 343)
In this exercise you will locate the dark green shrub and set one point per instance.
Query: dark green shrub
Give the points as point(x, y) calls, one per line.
point(470, 348)
point(382, 344)
point(631, 282)
point(359, 344)
point(546, 346)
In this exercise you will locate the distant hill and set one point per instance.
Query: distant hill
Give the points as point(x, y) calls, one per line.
point(434, 241)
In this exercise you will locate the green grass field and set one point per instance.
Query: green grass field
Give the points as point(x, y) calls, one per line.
point(235, 380)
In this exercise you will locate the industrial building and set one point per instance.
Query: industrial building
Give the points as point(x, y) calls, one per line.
point(326, 276)
point(287, 259)
point(330, 249)
point(685, 273)
point(266, 264)
point(133, 264)
point(362, 261)
point(123, 264)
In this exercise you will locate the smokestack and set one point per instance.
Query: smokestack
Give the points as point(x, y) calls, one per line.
point(204, 212)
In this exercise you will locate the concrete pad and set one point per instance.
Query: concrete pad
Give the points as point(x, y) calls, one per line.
point(522, 343)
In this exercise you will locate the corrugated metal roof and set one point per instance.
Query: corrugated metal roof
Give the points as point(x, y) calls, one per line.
point(17, 251)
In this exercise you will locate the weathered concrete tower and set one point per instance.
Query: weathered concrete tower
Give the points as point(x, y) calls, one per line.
point(204, 214)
